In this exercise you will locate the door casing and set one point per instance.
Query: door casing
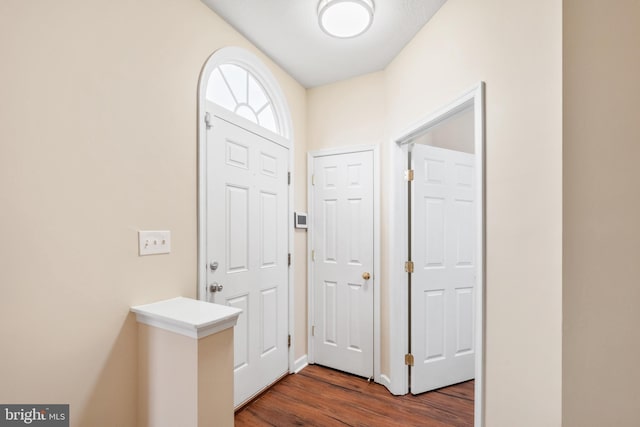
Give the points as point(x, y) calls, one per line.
point(376, 249)
point(399, 241)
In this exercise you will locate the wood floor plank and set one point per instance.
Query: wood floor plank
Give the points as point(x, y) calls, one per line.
point(321, 397)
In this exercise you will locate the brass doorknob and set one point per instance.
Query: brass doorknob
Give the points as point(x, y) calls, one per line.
point(366, 276)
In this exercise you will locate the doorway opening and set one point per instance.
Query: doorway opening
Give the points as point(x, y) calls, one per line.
point(438, 236)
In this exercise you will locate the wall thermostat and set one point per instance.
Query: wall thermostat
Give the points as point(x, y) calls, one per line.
point(300, 219)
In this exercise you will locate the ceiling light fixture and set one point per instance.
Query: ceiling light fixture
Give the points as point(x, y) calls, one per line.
point(345, 18)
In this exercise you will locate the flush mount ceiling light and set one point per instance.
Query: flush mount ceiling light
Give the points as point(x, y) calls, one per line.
point(345, 18)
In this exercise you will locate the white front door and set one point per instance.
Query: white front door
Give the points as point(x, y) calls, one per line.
point(247, 197)
point(443, 283)
point(342, 227)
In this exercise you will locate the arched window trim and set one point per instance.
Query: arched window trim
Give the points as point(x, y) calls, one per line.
point(248, 61)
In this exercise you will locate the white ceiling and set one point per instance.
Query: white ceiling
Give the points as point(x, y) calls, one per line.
point(288, 31)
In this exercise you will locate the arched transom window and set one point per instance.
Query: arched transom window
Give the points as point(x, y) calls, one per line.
point(236, 89)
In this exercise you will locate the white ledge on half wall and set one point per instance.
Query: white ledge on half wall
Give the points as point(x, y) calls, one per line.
point(186, 316)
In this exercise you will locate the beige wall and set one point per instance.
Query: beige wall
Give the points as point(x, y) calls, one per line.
point(456, 133)
point(215, 380)
point(347, 113)
point(167, 378)
point(516, 48)
point(184, 381)
point(98, 140)
point(601, 274)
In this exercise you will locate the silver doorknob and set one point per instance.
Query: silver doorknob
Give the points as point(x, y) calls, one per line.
point(215, 287)
point(366, 275)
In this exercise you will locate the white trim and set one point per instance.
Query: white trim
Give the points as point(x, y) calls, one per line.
point(310, 311)
point(398, 244)
point(397, 287)
point(377, 275)
point(376, 248)
point(342, 150)
point(481, 314)
point(385, 381)
point(247, 60)
point(250, 62)
point(292, 267)
point(246, 124)
point(188, 317)
point(184, 330)
point(301, 363)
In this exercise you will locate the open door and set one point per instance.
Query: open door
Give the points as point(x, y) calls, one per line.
point(437, 309)
point(443, 283)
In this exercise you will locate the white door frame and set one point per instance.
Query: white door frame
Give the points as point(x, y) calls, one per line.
point(247, 60)
point(398, 244)
point(376, 248)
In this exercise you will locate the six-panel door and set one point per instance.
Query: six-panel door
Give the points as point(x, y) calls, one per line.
point(343, 246)
point(443, 282)
point(247, 205)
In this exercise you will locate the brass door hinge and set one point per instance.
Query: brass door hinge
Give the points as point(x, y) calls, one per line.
point(409, 174)
point(289, 341)
point(408, 359)
point(313, 255)
point(408, 266)
point(289, 258)
point(313, 331)
point(313, 179)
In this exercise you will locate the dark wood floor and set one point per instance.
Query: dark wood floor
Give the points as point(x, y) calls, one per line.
point(320, 396)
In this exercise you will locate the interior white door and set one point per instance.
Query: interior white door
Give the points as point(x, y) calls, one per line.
point(443, 282)
point(342, 230)
point(247, 198)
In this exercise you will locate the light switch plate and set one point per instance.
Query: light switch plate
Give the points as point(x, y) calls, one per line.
point(154, 242)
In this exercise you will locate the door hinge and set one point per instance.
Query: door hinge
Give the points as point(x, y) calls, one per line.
point(313, 179)
point(409, 174)
point(289, 341)
point(207, 120)
point(313, 331)
point(289, 258)
point(408, 266)
point(408, 359)
point(289, 178)
point(313, 255)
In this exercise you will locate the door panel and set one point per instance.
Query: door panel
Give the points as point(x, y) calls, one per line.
point(443, 282)
point(343, 244)
point(247, 205)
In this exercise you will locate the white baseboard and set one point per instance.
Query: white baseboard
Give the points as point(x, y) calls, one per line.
point(300, 364)
point(385, 381)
